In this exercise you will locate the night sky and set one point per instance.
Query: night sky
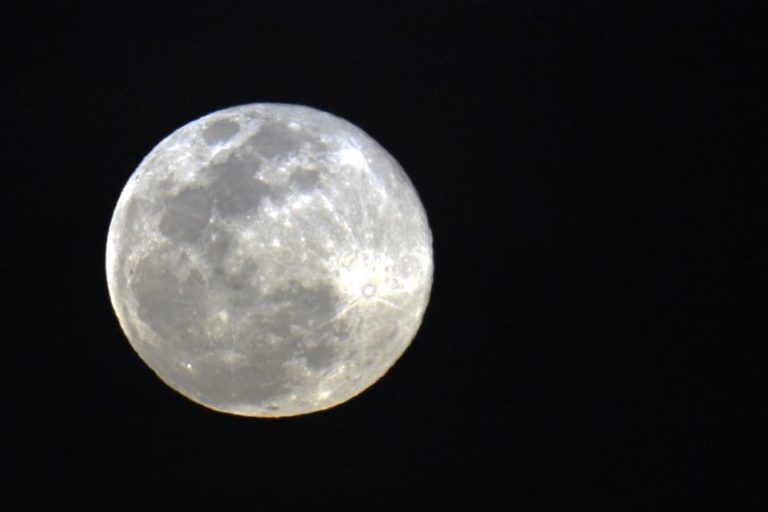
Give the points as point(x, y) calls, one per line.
point(594, 174)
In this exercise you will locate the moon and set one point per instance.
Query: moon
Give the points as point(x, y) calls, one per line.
point(269, 260)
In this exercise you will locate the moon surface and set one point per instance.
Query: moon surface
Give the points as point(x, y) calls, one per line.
point(269, 260)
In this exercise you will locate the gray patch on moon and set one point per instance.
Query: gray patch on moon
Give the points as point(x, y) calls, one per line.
point(320, 356)
point(235, 186)
point(168, 303)
point(216, 250)
point(187, 215)
point(303, 308)
point(277, 139)
point(305, 180)
point(220, 131)
point(268, 343)
point(256, 375)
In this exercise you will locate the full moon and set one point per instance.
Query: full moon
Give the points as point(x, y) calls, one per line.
point(269, 260)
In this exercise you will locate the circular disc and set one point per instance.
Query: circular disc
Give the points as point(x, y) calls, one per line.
point(269, 260)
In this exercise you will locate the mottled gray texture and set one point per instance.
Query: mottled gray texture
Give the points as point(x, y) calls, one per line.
point(269, 260)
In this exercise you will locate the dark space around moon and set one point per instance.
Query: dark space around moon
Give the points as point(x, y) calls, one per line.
point(594, 178)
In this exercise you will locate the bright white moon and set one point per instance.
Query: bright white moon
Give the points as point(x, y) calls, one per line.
point(269, 260)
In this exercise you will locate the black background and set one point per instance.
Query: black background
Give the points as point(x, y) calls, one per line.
point(594, 175)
